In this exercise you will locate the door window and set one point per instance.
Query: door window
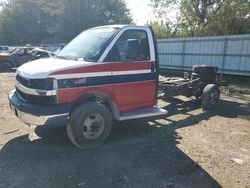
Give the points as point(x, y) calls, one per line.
point(131, 46)
point(23, 52)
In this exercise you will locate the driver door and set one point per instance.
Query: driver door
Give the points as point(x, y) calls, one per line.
point(133, 71)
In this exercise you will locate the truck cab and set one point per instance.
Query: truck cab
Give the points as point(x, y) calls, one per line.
point(105, 73)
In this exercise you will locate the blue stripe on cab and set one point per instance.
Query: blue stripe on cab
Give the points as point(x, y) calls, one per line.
point(106, 80)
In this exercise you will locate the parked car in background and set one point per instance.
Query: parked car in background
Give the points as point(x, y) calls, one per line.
point(41, 53)
point(59, 50)
point(21, 55)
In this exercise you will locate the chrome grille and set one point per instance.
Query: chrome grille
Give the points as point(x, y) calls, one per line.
point(36, 86)
point(36, 99)
point(44, 84)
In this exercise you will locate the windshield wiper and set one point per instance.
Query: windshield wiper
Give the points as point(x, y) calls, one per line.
point(87, 59)
point(68, 57)
point(74, 58)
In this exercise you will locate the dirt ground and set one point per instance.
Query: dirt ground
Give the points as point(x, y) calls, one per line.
point(188, 148)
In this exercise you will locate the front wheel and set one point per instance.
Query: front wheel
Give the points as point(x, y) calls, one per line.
point(210, 96)
point(5, 67)
point(89, 125)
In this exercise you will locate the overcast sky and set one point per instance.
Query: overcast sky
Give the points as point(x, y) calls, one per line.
point(141, 11)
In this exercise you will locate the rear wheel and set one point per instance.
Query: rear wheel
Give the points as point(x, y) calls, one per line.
point(5, 67)
point(210, 96)
point(90, 125)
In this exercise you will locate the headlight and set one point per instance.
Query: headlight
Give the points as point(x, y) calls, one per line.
point(43, 84)
point(70, 83)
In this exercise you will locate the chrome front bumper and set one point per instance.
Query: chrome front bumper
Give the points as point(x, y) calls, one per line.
point(38, 115)
point(38, 120)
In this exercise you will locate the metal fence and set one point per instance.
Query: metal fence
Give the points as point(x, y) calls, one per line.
point(231, 54)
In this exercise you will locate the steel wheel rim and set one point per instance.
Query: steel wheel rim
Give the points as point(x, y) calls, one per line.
point(214, 97)
point(93, 126)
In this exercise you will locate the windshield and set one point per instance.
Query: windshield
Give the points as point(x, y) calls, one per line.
point(13, 50)
point(88, 45)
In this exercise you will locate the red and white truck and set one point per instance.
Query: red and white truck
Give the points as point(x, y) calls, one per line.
point(106, 73)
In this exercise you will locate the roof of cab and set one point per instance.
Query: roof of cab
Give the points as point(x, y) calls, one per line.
point(120, 26)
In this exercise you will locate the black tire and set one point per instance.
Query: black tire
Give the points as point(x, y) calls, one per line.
point(205, 70)
point(210, 96)
point(82, 122)
point(5, 67)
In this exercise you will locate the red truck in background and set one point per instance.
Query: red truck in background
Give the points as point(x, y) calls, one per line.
point(105, 73)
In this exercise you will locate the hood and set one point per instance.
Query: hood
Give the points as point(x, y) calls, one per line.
point(42, 68)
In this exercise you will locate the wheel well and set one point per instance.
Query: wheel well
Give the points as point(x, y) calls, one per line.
point(11, 63)
point(100, 97)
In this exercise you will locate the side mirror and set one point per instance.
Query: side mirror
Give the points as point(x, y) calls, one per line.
point(132, 49)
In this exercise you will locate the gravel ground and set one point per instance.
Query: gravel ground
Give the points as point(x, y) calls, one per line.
point(188, 148)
